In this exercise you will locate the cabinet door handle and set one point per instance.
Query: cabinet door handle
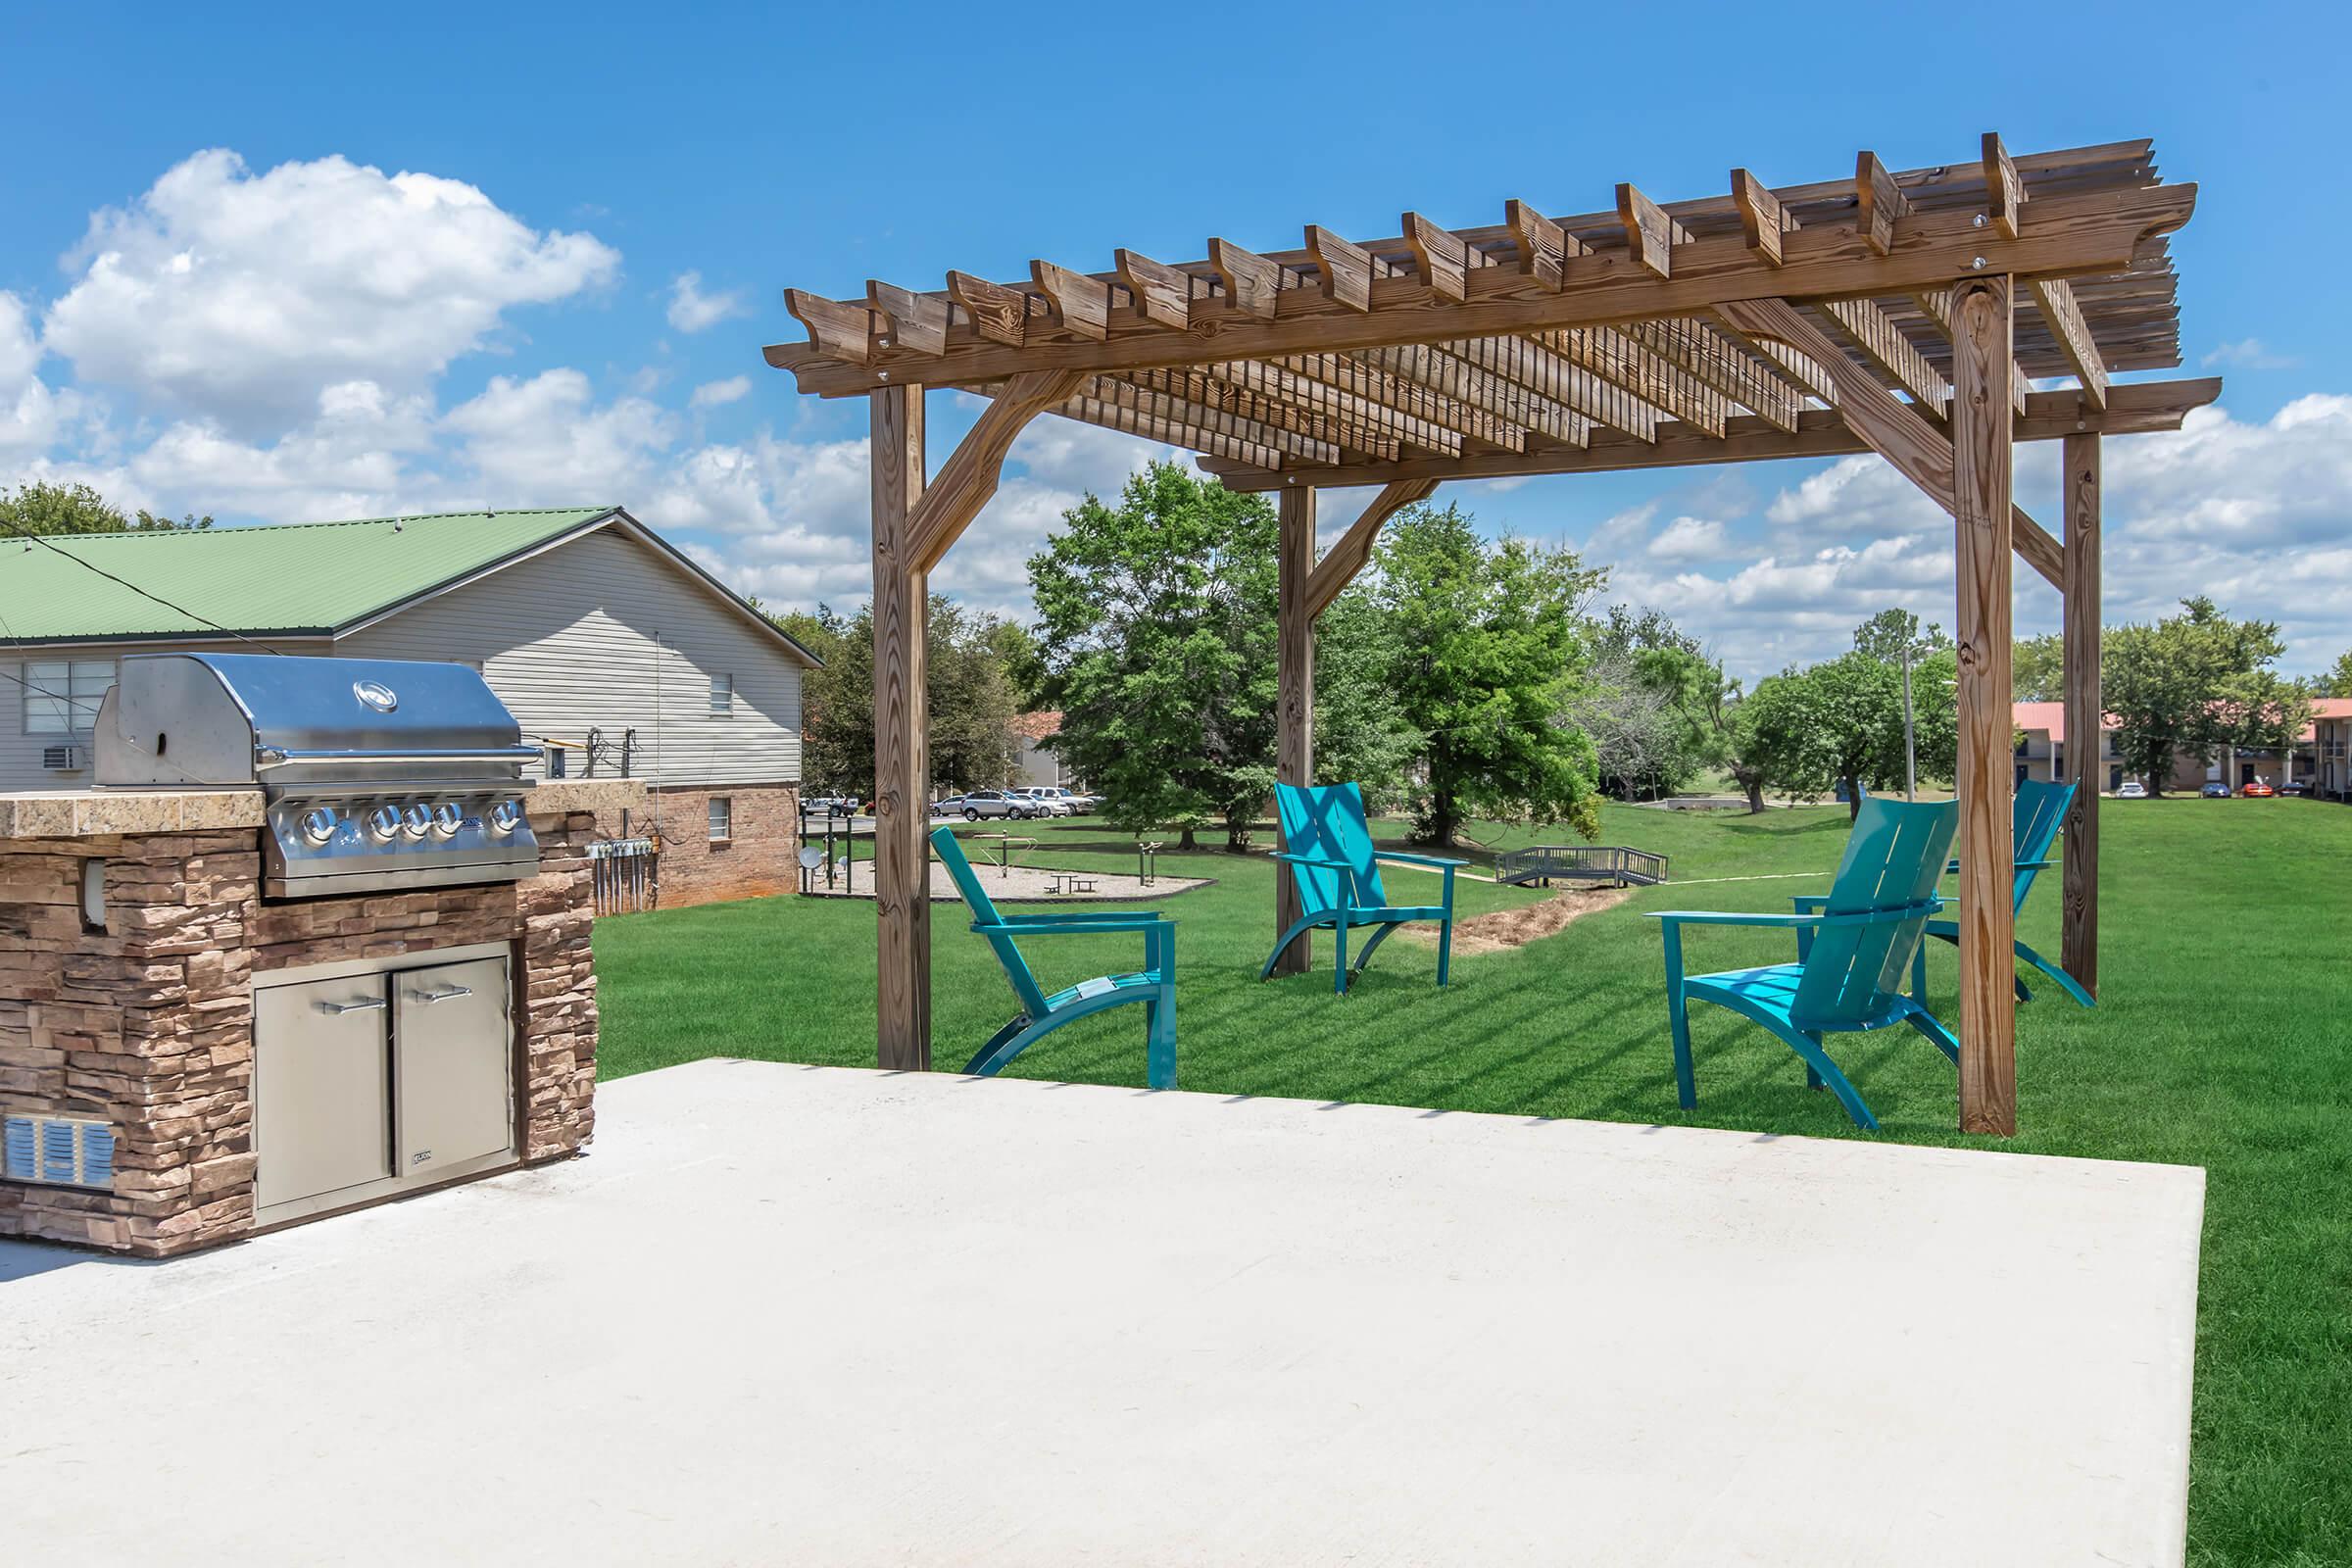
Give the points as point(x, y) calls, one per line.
point(364, 1005)
point(453, 993)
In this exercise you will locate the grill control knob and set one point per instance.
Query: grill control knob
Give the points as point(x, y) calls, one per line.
point(447, 818)
point(505, 816)
point(415, 819)
point(383, 823)
point(319, 825)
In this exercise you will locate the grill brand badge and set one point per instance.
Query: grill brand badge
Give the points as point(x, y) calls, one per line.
point(376, 695)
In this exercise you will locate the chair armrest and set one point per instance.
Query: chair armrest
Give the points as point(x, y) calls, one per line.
point(1433, 861)
point(1810, 902)
point(1311, 859)
point(1081, 917)
point(1906, 912)
point(1089, 929)
point(1952, 867)
point(1722, 917)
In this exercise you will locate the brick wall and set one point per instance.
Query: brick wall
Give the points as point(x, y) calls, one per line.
point(759, 859)
point(149, 1023)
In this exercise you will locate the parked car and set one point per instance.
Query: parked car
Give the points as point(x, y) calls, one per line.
point(1069, 802)
point(1048, 801)
point(973, 804)
point(2257, 790)
point(831, 806)
point(2214, 790)
point(2298, 787)
point(2132, 789)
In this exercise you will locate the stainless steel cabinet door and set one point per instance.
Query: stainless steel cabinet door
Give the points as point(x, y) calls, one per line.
point(320, 1095)
point(452, 1081)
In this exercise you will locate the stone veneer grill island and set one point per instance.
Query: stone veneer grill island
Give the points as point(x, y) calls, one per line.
point(189, 1049)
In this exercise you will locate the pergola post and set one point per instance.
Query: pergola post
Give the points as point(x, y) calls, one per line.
point(2085, 721)
point(1981, 347)
point(1295, 745)
point(902, 736)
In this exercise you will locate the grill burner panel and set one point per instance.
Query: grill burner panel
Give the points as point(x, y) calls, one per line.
point(378, 775)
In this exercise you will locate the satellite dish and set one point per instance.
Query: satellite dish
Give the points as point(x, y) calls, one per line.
point(811, 857)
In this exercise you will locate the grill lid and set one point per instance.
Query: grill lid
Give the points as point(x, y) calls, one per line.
point(285, 720)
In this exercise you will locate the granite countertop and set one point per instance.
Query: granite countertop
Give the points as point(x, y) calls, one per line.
point(93, 812)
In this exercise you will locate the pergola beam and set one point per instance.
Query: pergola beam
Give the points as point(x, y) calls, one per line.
point(2091, 233)
point(2134, 408)
point(1919, 451)
point(972, 472)
point(1351, 551)
point(2056, 298)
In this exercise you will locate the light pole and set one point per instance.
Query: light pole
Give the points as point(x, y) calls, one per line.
point(1910, 745)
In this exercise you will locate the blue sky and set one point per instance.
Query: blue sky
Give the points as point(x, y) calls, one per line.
point(218, 294)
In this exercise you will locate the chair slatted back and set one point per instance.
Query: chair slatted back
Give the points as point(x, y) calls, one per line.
point(984, 913)
point(2034, 822)
point(1327, 820)
point(1893, 857)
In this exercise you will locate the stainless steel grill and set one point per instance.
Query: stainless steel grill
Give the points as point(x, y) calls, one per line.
point(377, 773)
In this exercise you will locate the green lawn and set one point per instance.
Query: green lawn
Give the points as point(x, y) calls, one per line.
point(2223, 1039)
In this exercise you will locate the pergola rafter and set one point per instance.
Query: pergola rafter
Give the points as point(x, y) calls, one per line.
point(1877, 311)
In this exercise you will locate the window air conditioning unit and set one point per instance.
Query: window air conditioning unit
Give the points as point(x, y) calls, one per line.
point(62, 759)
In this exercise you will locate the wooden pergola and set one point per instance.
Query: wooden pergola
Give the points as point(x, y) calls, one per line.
point(1879, 312)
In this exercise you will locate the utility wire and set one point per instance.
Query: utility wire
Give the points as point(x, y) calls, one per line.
point(181, 609)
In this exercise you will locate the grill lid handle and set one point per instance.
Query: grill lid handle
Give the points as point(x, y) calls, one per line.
point(278, 756)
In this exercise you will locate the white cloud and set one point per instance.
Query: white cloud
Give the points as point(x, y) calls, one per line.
point(240, 297)
point(28, 408)
point(1689, 539)
point(2248, 353)
point(352, 459)
point(712, 394)
point(1075, 456)
point(543, 441)
point(692, 311)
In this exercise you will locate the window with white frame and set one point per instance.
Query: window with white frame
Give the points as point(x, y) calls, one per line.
point(62, 695)
point(722, 818)
point(722, 695)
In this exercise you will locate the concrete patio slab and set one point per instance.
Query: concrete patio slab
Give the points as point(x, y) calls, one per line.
point(817, 1315)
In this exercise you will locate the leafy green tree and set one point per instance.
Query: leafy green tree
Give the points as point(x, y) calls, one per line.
point(1768, 734)
point(2037, 670)
point(2196, 684)
point(1884, 636)
point(1841, 723)
point(1491, 642)
point(1157, 640)
point(62, 508)
point(2337, 682)
point(970, 696)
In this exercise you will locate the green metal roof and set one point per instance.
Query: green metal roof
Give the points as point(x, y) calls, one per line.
point(290, 579)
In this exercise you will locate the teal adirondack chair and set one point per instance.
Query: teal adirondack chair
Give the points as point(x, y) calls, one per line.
point(1333, 860)
point(1852, 947)
point(2035, 818)
point(1155, 986)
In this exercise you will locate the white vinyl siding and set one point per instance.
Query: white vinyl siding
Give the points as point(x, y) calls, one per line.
point(609, 634)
